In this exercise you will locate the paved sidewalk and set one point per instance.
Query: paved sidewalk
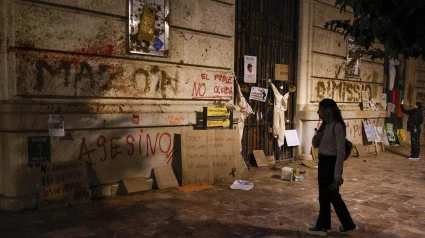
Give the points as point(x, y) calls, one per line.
point(384, 194)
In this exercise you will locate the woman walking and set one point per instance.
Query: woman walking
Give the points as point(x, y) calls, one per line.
point(330, 139)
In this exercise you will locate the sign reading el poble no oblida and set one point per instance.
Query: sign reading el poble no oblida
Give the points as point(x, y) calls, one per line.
point(250, 69)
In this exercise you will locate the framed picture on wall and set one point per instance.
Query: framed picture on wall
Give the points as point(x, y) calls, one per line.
point(148, 27)
point(352, 69)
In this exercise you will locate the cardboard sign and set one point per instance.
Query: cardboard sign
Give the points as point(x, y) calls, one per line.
point(281, 72)
point(165, 177)
point(259, 94)
point(369, 129)
point(291, 137)
point(250, 69)
point(244, 167)
point(133, 185)
point(315, 153)
point(62, 184)
point(360, 150)
point(310, 163)
point(210, 156)
point(271, 160)
point(260, 158)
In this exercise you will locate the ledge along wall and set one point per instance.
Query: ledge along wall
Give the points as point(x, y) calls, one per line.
point(70, 58)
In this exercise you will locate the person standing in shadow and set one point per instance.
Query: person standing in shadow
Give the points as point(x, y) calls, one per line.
point(414, 123)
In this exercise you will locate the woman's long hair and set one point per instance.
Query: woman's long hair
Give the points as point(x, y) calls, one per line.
point(331, 112)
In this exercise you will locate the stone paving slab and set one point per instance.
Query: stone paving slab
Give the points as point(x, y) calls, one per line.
point(385, 195)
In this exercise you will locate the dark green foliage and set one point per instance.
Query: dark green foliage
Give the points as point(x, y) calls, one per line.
point(397, 24)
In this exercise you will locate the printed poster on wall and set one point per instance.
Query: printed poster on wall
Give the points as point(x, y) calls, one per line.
point(390, 132)
point(38, 150)
point(352, 70)
point(365, 100)
point(56, 125)
point(250, 69)
point(259, 94)
point(148, 29)
point(369, 129)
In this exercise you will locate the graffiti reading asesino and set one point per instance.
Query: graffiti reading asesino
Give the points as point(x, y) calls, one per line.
point(111, 148)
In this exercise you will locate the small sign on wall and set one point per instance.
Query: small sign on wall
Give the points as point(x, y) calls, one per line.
point(250, 69)
point(135, 119)
point(365, 101)
point(56, 125)
point(281, 72)
point(369, 129)
point(38, 150)
point(352, 70)
point(259, 94)
point(148, 27)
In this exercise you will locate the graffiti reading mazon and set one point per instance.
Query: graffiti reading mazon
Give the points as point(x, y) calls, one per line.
point(344, 91)
point(86, 78)
point(142, 145)
point(218, 86)
point(51, 74)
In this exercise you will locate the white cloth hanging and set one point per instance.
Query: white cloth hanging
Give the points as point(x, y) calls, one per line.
point(392, 64)
point(280, 106)
point(245, 109)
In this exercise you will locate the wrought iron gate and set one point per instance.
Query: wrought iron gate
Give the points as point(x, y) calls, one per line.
point(267, 29)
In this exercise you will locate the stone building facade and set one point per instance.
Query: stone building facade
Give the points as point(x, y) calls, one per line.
point(322, 74)
point(122, 110)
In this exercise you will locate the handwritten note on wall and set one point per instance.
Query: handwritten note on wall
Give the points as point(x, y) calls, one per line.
point(210, 156)
point(62, 184)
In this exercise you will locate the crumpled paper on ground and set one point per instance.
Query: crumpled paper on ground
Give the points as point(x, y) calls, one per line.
point(242, 184)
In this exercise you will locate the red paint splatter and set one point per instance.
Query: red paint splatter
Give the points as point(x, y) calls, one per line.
point(11, 49)
point(75, 61)
point(107, 50)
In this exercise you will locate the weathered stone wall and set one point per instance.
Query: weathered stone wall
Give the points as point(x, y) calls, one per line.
point(70, 58)
point(322, 64)
point(414, 88)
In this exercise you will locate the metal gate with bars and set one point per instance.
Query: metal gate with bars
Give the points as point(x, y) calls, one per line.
point(267, 29)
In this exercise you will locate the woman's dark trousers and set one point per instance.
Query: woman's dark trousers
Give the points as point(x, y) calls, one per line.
point(326, 196)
